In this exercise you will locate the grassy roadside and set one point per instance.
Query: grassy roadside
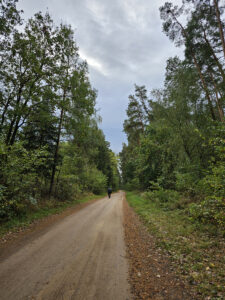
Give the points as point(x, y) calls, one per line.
point(46, 209)
point(196, 251)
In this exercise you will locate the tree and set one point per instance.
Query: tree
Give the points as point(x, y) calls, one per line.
point(27, 74)
point(50, 142)
point(138, 113)
point(197, 44)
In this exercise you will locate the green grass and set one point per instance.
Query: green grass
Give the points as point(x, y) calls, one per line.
point(47, 208)
point(196, 250)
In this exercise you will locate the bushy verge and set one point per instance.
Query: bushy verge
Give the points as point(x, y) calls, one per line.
point(204, 199)
point(196, 249)
point(19, 178)
point(168, 199)
point(212, 208)
point(25, 179)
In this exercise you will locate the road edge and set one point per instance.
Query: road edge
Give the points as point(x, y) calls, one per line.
point(14, 240)
point(151, 275)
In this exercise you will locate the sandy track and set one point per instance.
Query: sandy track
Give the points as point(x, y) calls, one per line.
point(82, 257)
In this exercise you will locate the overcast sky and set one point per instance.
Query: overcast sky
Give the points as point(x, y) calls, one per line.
point(123, 43)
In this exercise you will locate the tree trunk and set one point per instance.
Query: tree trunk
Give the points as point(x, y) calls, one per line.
point(220, 109)
point(15, 116)
point(57, 147)
point(220, 26)
point(5, 110)
point(8, 137)
point(14, 131)
point(199, 71)
point(205, 88)
point(215, 57)
point(16, 127)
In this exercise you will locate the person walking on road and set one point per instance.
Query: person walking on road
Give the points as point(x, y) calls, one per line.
point(109, 192)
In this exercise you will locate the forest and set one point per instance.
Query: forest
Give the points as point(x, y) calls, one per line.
point(51, 146)
point(168, 219)
point(176, 134)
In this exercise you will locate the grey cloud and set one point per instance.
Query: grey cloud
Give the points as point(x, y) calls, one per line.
point(124, 41)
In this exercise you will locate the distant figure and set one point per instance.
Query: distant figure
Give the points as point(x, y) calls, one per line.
point(109, 192)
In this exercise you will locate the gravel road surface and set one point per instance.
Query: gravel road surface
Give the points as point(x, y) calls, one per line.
point(81, 257)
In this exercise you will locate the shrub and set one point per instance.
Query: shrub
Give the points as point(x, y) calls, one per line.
point(20, 182)
point(67, 188)
point(168, 199)
point(132, 185)
point(96, 181)
point(212, 208)
point(186, 183)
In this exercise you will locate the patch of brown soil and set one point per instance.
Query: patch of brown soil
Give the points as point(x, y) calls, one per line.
point(14, 240)
point(82, 257)
point(151, 274)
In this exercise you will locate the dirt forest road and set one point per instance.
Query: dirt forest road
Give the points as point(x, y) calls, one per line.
point(81, 257)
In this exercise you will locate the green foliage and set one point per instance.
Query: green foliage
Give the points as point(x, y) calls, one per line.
point(96, 181)
point(212, 208)
point(169, 199)
point(132, 185)
point(21, 183)
point(5, 206)
point(176, 137)
point(51, 145)
point(186, 182)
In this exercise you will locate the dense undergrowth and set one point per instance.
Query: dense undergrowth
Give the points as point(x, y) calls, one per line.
point(196, 249)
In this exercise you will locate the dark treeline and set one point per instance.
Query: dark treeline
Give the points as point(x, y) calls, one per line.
point(176, 136)
point(50, 143)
